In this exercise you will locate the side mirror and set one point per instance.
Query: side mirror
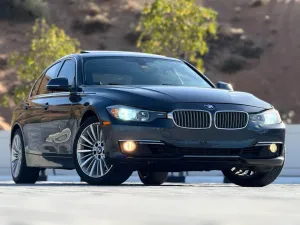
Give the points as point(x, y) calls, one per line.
point(223, 85)
point(58, 84)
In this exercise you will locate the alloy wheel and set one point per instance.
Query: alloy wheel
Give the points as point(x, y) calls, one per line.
point(91, 152)
point(240, 172)
point(16, 155)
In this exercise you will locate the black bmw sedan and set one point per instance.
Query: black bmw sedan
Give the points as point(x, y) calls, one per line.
point(107, 114)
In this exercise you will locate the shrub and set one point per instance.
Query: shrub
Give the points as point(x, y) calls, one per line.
point(47, 45)
point(257, 3)
point(248, 51)
point(23, 9)
point(92, 24)
point(233, 63)
point(177, 28)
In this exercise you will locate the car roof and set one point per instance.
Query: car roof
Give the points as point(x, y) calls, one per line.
point(85, 54)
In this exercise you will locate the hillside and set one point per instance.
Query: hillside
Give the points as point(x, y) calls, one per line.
point(270, 29)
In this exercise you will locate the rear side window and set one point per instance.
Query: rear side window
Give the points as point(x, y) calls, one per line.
point(68, 71)
point(36, 86)
point(50, 74)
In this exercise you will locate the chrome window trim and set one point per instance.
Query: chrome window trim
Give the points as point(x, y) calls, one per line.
point(170, 116)
point(56, 94)
point(248, 118)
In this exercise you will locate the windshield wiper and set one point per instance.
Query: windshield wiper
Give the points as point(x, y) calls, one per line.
point(113, 84)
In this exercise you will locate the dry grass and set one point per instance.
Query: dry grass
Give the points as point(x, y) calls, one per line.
point(92, 9)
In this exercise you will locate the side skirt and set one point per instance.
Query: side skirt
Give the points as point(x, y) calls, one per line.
point(50, 160)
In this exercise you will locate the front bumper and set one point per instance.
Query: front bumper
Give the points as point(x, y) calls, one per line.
point(162, 146)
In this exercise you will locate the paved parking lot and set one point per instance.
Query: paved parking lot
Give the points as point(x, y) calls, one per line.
point(134, 204)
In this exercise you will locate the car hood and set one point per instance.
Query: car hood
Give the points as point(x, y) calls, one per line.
point(151, 95)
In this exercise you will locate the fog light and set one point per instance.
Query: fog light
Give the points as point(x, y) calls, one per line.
point(273, 148)
point(129, 146)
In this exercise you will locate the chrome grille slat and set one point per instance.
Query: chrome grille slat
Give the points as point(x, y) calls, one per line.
point(194, 119)
point(231, 119)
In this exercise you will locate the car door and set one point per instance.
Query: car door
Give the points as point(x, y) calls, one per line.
point(58, 122)
point(36, 107)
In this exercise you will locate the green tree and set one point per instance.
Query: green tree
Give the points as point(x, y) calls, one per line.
point(48, 43)
point(178, 28)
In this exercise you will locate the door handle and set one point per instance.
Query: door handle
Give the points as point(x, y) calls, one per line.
point(26, 106)
point(46, 106)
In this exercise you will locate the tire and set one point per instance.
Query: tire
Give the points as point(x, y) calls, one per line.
point(259, 179)
point(153, 178)
point(21, 173)
point(90, 163)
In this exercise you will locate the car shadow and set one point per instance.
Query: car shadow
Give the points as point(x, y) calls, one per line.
point(82, 184)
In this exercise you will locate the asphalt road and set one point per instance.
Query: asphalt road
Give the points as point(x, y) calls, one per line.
point(134, 204)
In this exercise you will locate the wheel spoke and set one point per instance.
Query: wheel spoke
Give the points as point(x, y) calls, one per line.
point(14, 164)
point(93, 133)
point(97, 168)
point(17, 167)
point(88, 146)
point(14, 160)
point(84, 150)
point(105, 164)
point(14, 151)
point(90, 165)
point(100, 139)
point(86, 161)
point(84, 138)
point(17, 141)
point(98, 134)
point(14, 144)
point(90, 136)
point(84, 157)
point(100, 166)
point(92, 170)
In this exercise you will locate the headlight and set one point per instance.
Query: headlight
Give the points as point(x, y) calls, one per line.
point(127, 113)
point(267, 118)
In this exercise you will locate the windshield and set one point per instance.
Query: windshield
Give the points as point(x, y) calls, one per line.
point(140, 71)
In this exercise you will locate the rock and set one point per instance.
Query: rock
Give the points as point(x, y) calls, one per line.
point(237, 9)
point(267, 18)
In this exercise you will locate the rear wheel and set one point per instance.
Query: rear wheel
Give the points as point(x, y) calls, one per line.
point(21, 173)
point(153, 178)
point(90, 157)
